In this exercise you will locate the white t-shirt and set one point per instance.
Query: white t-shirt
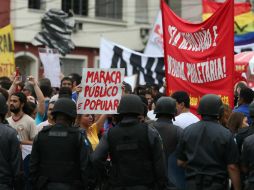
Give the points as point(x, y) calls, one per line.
point(25, 127)
point(185, 119)
point(42, 124)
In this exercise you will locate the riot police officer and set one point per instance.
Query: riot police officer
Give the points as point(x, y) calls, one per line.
point(208, 151)
point(59, 156)
point(165, 111)
point(10, 153)
point(248, 154)
point(136, 150)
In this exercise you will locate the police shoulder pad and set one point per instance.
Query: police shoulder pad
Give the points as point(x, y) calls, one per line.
point(74, 129)
point(46, 128)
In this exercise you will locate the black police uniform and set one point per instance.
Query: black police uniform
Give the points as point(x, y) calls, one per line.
point(247, 131)
point(59, 159)
point(242, 134)
point(169, 133)
point(10, 158)
point(248, 161)
point(208, 148)
point(136, 152)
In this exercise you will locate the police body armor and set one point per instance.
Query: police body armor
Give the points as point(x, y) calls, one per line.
point(59, 154)
point(130, 153)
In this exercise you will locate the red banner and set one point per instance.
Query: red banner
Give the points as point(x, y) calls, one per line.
point(199, 58)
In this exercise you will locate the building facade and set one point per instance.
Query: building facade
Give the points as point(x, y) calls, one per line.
point(126, 22)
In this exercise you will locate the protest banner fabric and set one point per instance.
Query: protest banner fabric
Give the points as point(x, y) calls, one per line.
point(149, 69)
point(7, 61)
point(154, 45)
point(101, 91)
point(244, 66)
point(199, 57)
point(243, 23)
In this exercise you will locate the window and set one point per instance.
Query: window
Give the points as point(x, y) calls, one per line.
point(96, 62)
point(36, 4)
point(142, 11)
point(112, 9)
point(79, 7)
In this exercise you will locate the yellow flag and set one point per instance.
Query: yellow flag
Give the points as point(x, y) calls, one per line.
point(7, 61)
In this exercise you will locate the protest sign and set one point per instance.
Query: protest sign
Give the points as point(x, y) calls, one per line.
point(7, 61)
point(51, 64)
point(101, 91)
point(199, 58)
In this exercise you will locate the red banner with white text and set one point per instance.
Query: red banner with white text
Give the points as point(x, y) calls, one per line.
point(199, 58)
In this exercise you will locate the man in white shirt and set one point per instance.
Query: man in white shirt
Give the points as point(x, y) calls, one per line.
point(24, 124)
point(184, 117)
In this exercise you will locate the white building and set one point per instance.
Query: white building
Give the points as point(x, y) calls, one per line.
point(125, 22)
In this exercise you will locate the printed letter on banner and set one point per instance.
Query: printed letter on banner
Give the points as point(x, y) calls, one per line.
point(7, 63)
point(101, 91)
point(199, 58)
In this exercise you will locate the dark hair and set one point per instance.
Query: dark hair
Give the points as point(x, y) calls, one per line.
point(127, 88)
point(65, 92)
point(224, 115)
point(44, 82)
point(182, 96)
point(235, 121)
point(157, 97)
point(75, 77)
point(30, 107)
point(148, 90)
point(66, 78)
point(23, 99)
point(46, 90)
point(139, 90)
point(5, 93)
point(5, 82)
point(240, 85)
point(144, 100)
point(247, 95)
point(21, 96)
point(156, 87)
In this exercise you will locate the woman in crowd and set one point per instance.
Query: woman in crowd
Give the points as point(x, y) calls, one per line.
point(237, 120)
point(224, 115)
point(92, 127)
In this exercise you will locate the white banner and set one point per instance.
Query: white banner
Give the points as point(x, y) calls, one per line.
point(101, 91)
point(154, 45)
point(149, 69)
point(51, 65)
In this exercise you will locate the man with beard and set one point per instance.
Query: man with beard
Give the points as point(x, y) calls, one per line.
point(19, 120)
point(10, 154)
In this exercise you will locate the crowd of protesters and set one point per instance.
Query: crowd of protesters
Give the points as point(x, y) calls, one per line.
point(30, 105)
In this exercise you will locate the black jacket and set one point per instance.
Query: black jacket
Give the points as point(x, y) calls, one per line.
point(10, 156)
point(59, 155)
point(156, 155)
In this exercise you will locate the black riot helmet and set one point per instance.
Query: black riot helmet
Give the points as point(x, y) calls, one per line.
point(251, 110)
point(3, 105)
point(131, 104)
point(65, 106)
point(165, 105)
point(210, 105)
